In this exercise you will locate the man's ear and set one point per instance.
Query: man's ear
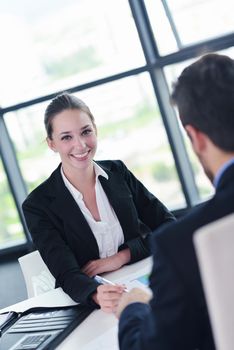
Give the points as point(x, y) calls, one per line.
point(197, 138)
point(50, 143)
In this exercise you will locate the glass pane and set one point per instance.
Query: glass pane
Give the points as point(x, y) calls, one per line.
point(163, 34)
point(204, 185)
point(203, 19)
point(11, 230)
point(129, 128)
point(26, 129)
point(49, 46)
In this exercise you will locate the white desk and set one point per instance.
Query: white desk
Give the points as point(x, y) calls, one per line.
point(98, 330)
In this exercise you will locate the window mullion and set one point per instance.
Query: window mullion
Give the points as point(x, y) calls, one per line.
point(149, 46)
point(15, 179)
point(172, 24)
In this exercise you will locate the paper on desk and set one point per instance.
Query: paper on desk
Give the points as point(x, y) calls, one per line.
point(53, 298)
point(106, 341)
point(140, 279)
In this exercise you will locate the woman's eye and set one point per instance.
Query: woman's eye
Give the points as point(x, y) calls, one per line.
point(87, 132)
point(66, 137)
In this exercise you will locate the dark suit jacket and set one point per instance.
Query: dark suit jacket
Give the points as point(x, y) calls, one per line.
point(63, 237)
point(177, 317)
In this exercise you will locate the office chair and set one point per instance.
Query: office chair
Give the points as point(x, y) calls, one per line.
point(214, 245)
point(37, 276)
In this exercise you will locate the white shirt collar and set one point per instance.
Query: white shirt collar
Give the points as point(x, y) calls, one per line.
point(76, 194)
point(99, 171)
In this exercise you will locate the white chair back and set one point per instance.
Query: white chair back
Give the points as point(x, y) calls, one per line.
point(214, 245)
point(37, 276)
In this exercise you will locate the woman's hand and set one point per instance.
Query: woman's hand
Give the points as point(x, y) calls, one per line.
point(108, 296)
point(112, 263)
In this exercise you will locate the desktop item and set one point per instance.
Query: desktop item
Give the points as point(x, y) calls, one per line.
point(41, 328)
point(103, 280)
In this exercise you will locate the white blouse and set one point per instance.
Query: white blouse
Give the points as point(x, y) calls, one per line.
point(108, 232)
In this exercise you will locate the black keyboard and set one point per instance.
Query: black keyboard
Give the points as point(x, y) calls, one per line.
point(31, 342)
point(43, 328)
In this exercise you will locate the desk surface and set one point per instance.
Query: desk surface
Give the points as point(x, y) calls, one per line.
point(98, 330)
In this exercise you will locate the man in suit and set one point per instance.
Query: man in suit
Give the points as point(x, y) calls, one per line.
point(176, 317)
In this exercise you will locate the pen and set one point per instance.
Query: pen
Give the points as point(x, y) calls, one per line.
point(103, 280)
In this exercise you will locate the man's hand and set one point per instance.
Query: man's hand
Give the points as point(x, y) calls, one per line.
point(134, 296)
point(112, 263)
point(108, 296)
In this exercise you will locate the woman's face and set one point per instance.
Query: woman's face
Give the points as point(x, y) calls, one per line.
point(74, 137)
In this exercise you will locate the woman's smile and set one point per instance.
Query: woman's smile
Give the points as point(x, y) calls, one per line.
point(81, 156)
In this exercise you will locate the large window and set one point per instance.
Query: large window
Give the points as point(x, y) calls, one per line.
point(121, 57)
point(129, 128)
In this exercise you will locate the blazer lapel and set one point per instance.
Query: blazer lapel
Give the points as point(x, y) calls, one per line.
point(65, 207)
point(120, 199)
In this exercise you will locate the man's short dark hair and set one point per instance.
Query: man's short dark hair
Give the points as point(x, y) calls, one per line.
point(204, 95)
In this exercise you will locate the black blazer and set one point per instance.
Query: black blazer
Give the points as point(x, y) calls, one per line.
point(62, 235)
point(177, 317)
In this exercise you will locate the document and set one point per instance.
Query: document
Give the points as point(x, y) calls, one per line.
point(53, 298)
point(140, 279)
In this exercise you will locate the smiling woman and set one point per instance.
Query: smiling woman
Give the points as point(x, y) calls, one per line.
point(88, 217)
point(78, 144)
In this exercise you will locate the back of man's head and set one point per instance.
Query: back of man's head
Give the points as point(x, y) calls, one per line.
point(204, 94)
